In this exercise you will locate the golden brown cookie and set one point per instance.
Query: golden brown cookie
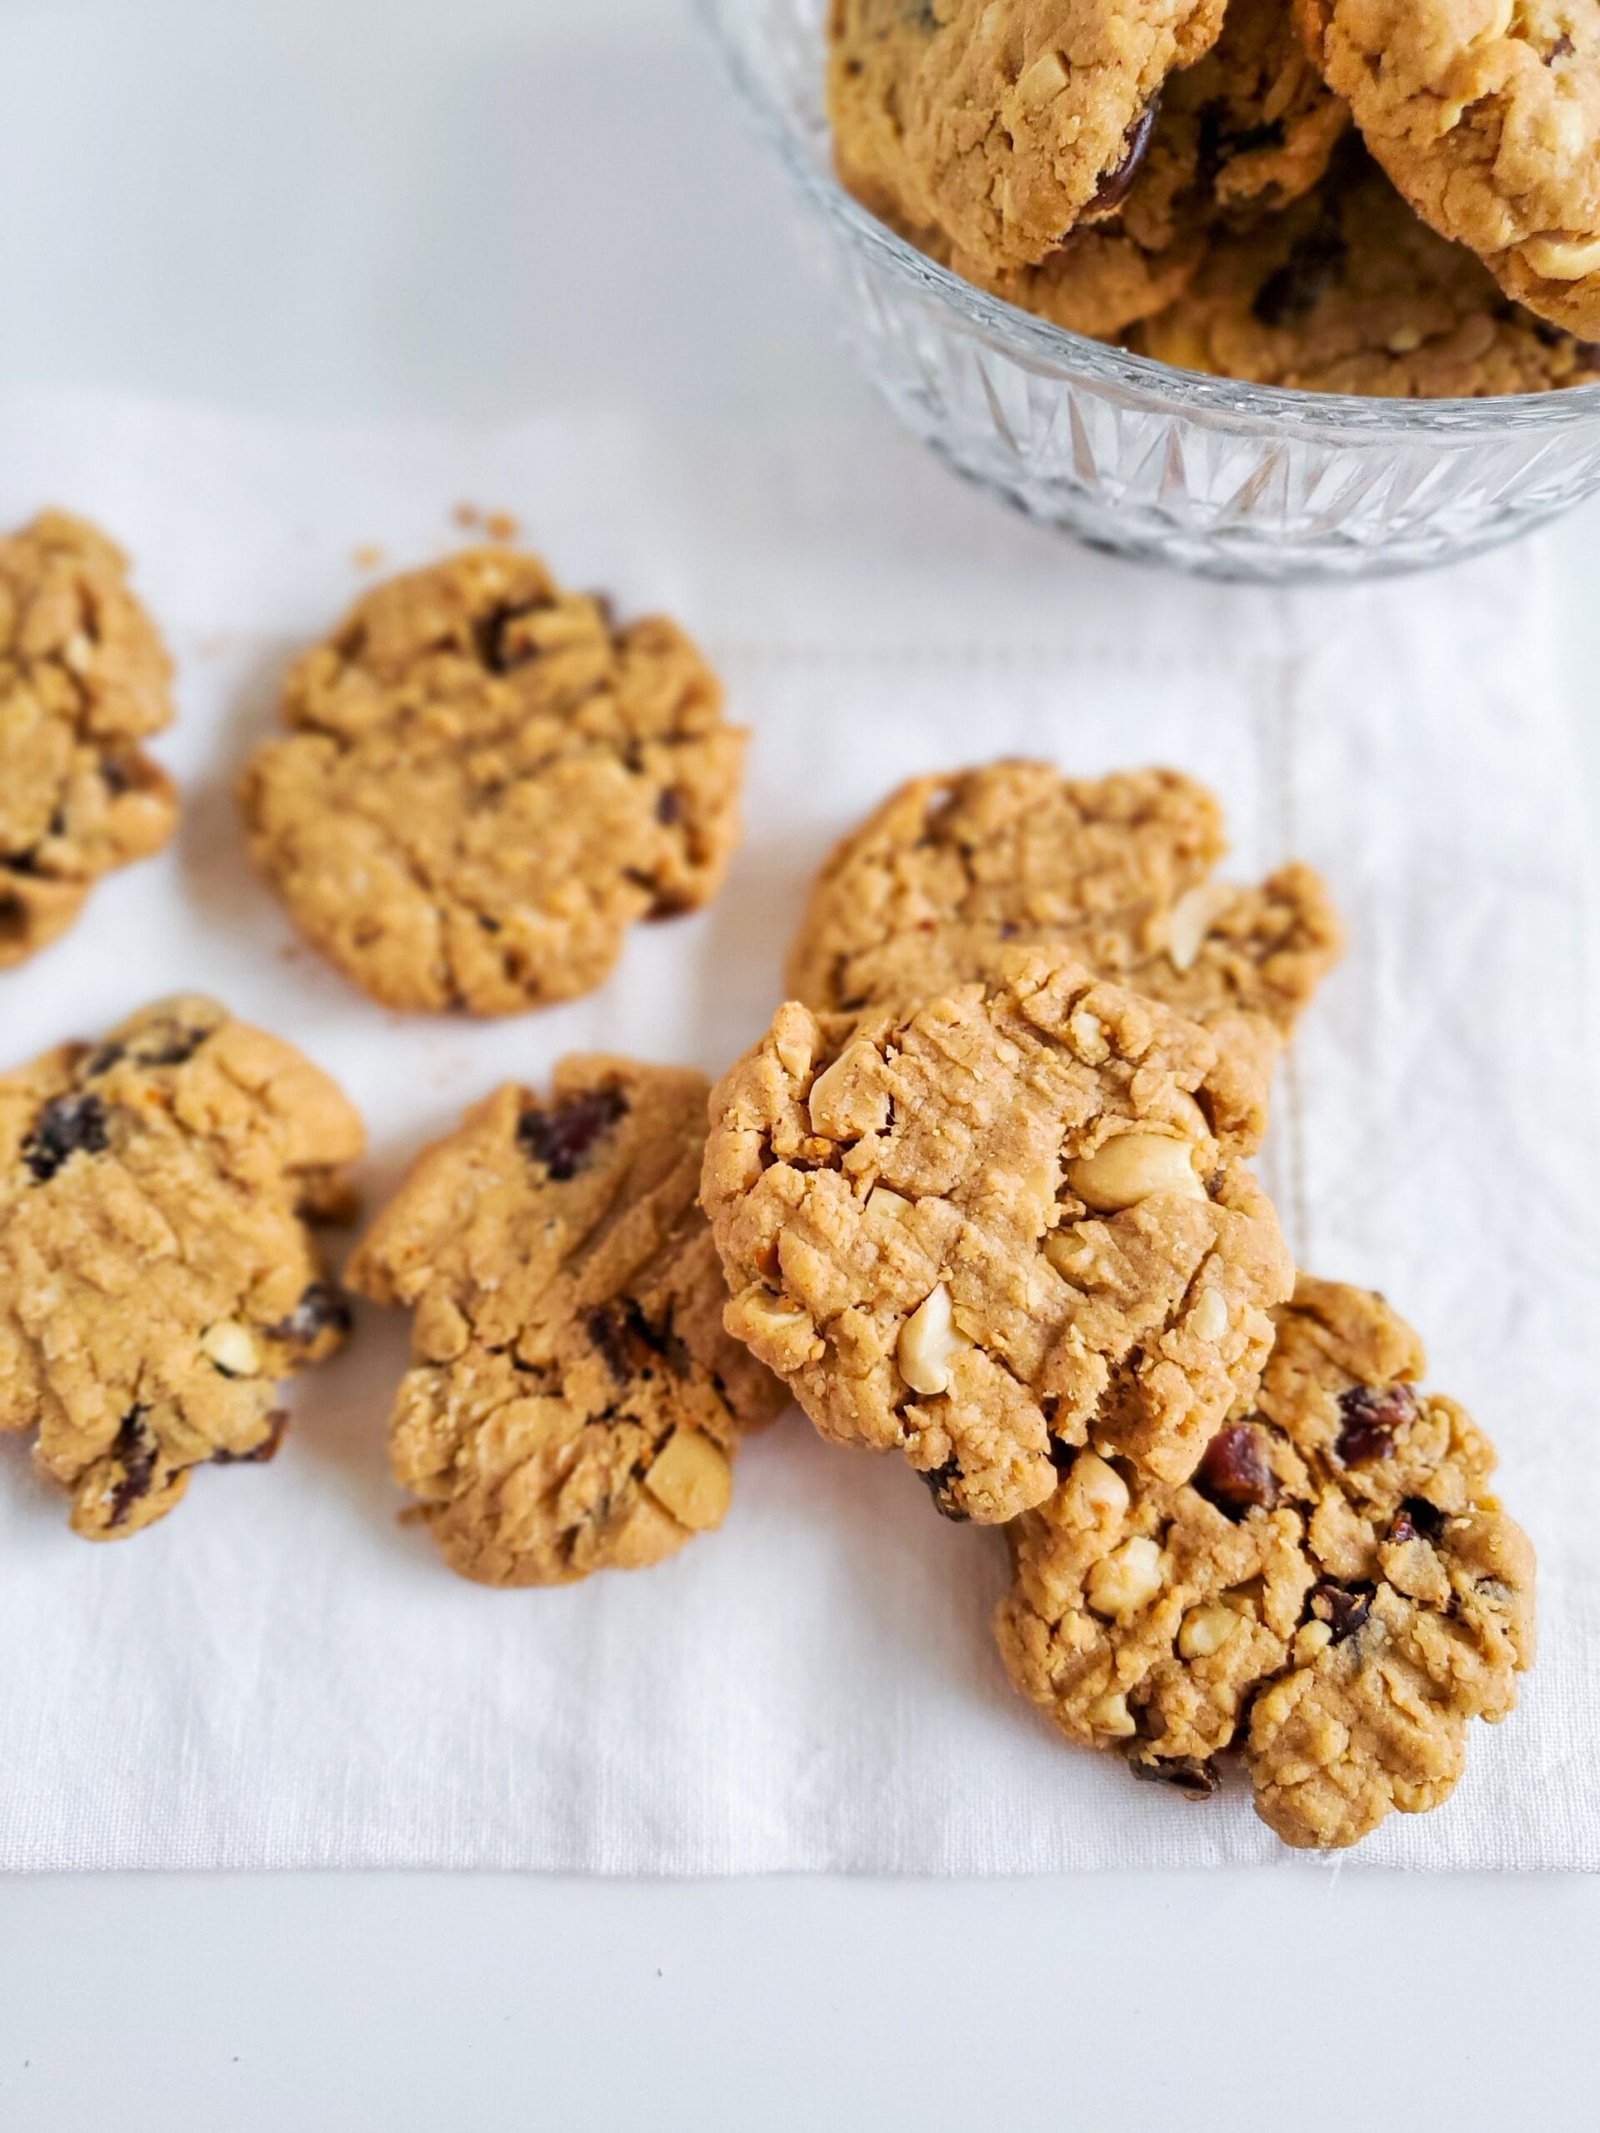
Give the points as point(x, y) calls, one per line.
point(83, 679)
point(1348, 292)
point(1002, 122)
point(573, 1402)
point(156, 1275)
point(1487, 118)
point(1335, 1594)
point(488, 782)
point(934, 886)
point(985, 1230)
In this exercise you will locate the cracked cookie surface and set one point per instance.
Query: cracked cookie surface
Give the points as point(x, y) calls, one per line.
point(1335, 1594)
point(488, 782)
point(983, 1231)
point(1349, 292)
point(157, 1278)
point(573, 1403)
point(1487, 118)
point(931, 889)
point(84, 678)
point(1001, 123)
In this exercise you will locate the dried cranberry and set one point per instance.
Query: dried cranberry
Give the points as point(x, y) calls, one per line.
point(1343, 1607)
point(1371, 1415)
point(563, 1139)
point(68, 1126)
point(1194, 1778)
point(1236, 1472)
point(136, 1448)
point(322, 1309)
point(277, 1425)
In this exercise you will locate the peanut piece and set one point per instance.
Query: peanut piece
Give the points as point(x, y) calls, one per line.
point(1133, 1167)
point(692, 1479)
point(1125, 1580)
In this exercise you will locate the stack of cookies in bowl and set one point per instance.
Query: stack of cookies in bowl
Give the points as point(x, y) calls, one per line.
point(978, 1197)
point(1347, 196)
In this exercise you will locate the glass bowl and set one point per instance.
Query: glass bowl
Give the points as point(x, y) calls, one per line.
point(1238, 481)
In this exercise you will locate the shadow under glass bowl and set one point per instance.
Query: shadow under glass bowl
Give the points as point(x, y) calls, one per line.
point(1202, 473)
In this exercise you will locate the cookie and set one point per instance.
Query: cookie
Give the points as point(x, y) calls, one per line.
point(488, 782)
point(934, 885)
point(157, 1278)
point(1335, 1595)
point(1488, 121)
point(1002, 122)
point(985, 1230)
point(573, 1403)
point(1348, 292)
point(83, 679)
point(1254, 115)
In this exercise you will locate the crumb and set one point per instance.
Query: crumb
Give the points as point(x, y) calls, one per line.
point(369, 556)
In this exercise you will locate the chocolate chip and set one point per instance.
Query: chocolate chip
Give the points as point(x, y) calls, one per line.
point(1371, 1415)
point(1343, 1607)
point(322, 1309)
point(1195, 1779)
point(563, 1139)
point(1117, 183)
point(1236, 1472)
point(669, 808)
point(496, 640)
point(114, 776)
point(1292, 292)
point(136, 1448)
point(277, 1426)
point(630, 1344)
point(68, 1126)
point(940, 1482)
point(1417, 1519)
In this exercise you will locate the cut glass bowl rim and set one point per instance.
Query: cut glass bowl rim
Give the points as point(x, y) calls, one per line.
point(1052, 349)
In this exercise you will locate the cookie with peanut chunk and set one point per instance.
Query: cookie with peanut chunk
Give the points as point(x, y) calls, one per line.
point(987, 1228)
point(488, 781)
point(931, 889)
point(573, 1402)
point(1334, 1593)
point(1487, 119)
point(84, 678)
point(157, 1276)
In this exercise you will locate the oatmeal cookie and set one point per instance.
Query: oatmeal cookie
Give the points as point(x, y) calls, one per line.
point(157, 1278)
point(929, 890)
point(984, 1230)
point(998, 122)
point(1335, 1594)
point(83, 679)
point(1488, 121)
point(1253, 117)
point(1348, 292)
point(573, 1402)
point(488, 782)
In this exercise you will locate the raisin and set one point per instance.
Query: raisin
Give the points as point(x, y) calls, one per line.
point(1291, 294)
point(1343, 1607)
point(609, 1332)
point(322, 1309)
point(68, 1126)
point(277, 1425)
point(939, 1482)
point(136, 1448)
point(1370, 1417)
point(1194, 1778)
point(564, 1138)
point(1117, 182)
point(669, 808)
point(1236, 1473)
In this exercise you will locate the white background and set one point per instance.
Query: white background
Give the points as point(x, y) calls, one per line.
point(475, 208)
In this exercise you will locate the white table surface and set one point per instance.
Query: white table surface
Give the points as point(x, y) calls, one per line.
point(476, 207)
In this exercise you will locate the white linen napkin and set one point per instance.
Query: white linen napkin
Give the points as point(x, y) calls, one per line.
point(281, 1675)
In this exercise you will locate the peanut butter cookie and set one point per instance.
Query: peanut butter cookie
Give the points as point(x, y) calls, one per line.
point(488, 782)
point(156, 1274)
point(1487, 118)
point(931, 889)
point(1335, 1594)
point(573, 1402)
point(83, 679)
point(984, 1230)
point(1348, 292)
